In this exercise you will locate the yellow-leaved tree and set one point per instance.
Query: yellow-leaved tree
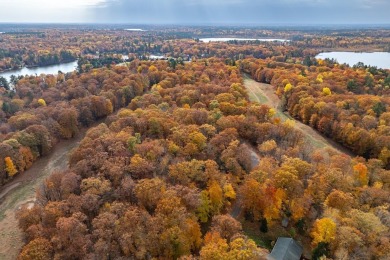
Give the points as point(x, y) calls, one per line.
point(327, 91)
point(42, 102)
point(288, 87)
point(267, 146)
point(228, 192)
point(324, 230)
point(320, 78)
point(10, 167)
point(216, 197)
point(217, 247)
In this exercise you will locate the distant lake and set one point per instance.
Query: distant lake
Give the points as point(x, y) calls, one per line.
point(156, 57)
point(240, 39)
point(53, 69)
point(135, 30)
point(378, 59)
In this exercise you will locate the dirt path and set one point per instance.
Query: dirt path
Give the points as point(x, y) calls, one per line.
point(21, 191)
point(264, 94)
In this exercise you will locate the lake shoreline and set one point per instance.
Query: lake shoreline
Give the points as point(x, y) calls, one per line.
point(374, 59)
point(36, 66)
point(344, 49)
point(64, 67)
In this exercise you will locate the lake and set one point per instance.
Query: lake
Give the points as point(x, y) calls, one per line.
point(52, 69)
point(240, 39)
point(378, 59)
point(135, 30)
point(157, 57)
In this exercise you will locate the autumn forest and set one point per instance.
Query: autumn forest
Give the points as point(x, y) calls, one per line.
point(196, 150)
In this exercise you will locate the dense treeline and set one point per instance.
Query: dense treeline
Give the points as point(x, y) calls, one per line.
point(172, 163)
point(350, 105)
point(153, 173)
point(15, 59)
point(35, 50)
point(52, 46)
point(43, 110)
point(159, 178)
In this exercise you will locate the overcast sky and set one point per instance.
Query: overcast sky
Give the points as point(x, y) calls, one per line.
point(198, 11)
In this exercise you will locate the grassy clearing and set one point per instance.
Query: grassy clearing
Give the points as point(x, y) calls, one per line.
point(255, 95)
point(252, 234)
point(263, 93)
point(18, 195)
point(266, 240)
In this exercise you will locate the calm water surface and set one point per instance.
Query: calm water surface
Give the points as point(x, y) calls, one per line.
point(378, 59)
point(157, 57)
point(135, 30)
point(53, 69)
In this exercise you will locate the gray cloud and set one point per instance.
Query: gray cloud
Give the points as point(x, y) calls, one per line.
point(246, 11)
point(198, 11)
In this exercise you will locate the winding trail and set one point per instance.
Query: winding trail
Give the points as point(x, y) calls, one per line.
point(264, 94)
point(21, 191)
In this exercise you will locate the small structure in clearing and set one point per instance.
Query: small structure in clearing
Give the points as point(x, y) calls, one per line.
point(285, 249)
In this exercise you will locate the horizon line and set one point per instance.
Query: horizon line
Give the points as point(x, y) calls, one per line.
point(201, 23)
point(287, 26)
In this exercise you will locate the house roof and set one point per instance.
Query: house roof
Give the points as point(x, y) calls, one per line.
point(285, 249)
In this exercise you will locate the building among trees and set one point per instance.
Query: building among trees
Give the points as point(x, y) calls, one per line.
point(285, 249)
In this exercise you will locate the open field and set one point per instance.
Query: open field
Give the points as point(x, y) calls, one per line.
point(264, 94)
point(21, 191)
